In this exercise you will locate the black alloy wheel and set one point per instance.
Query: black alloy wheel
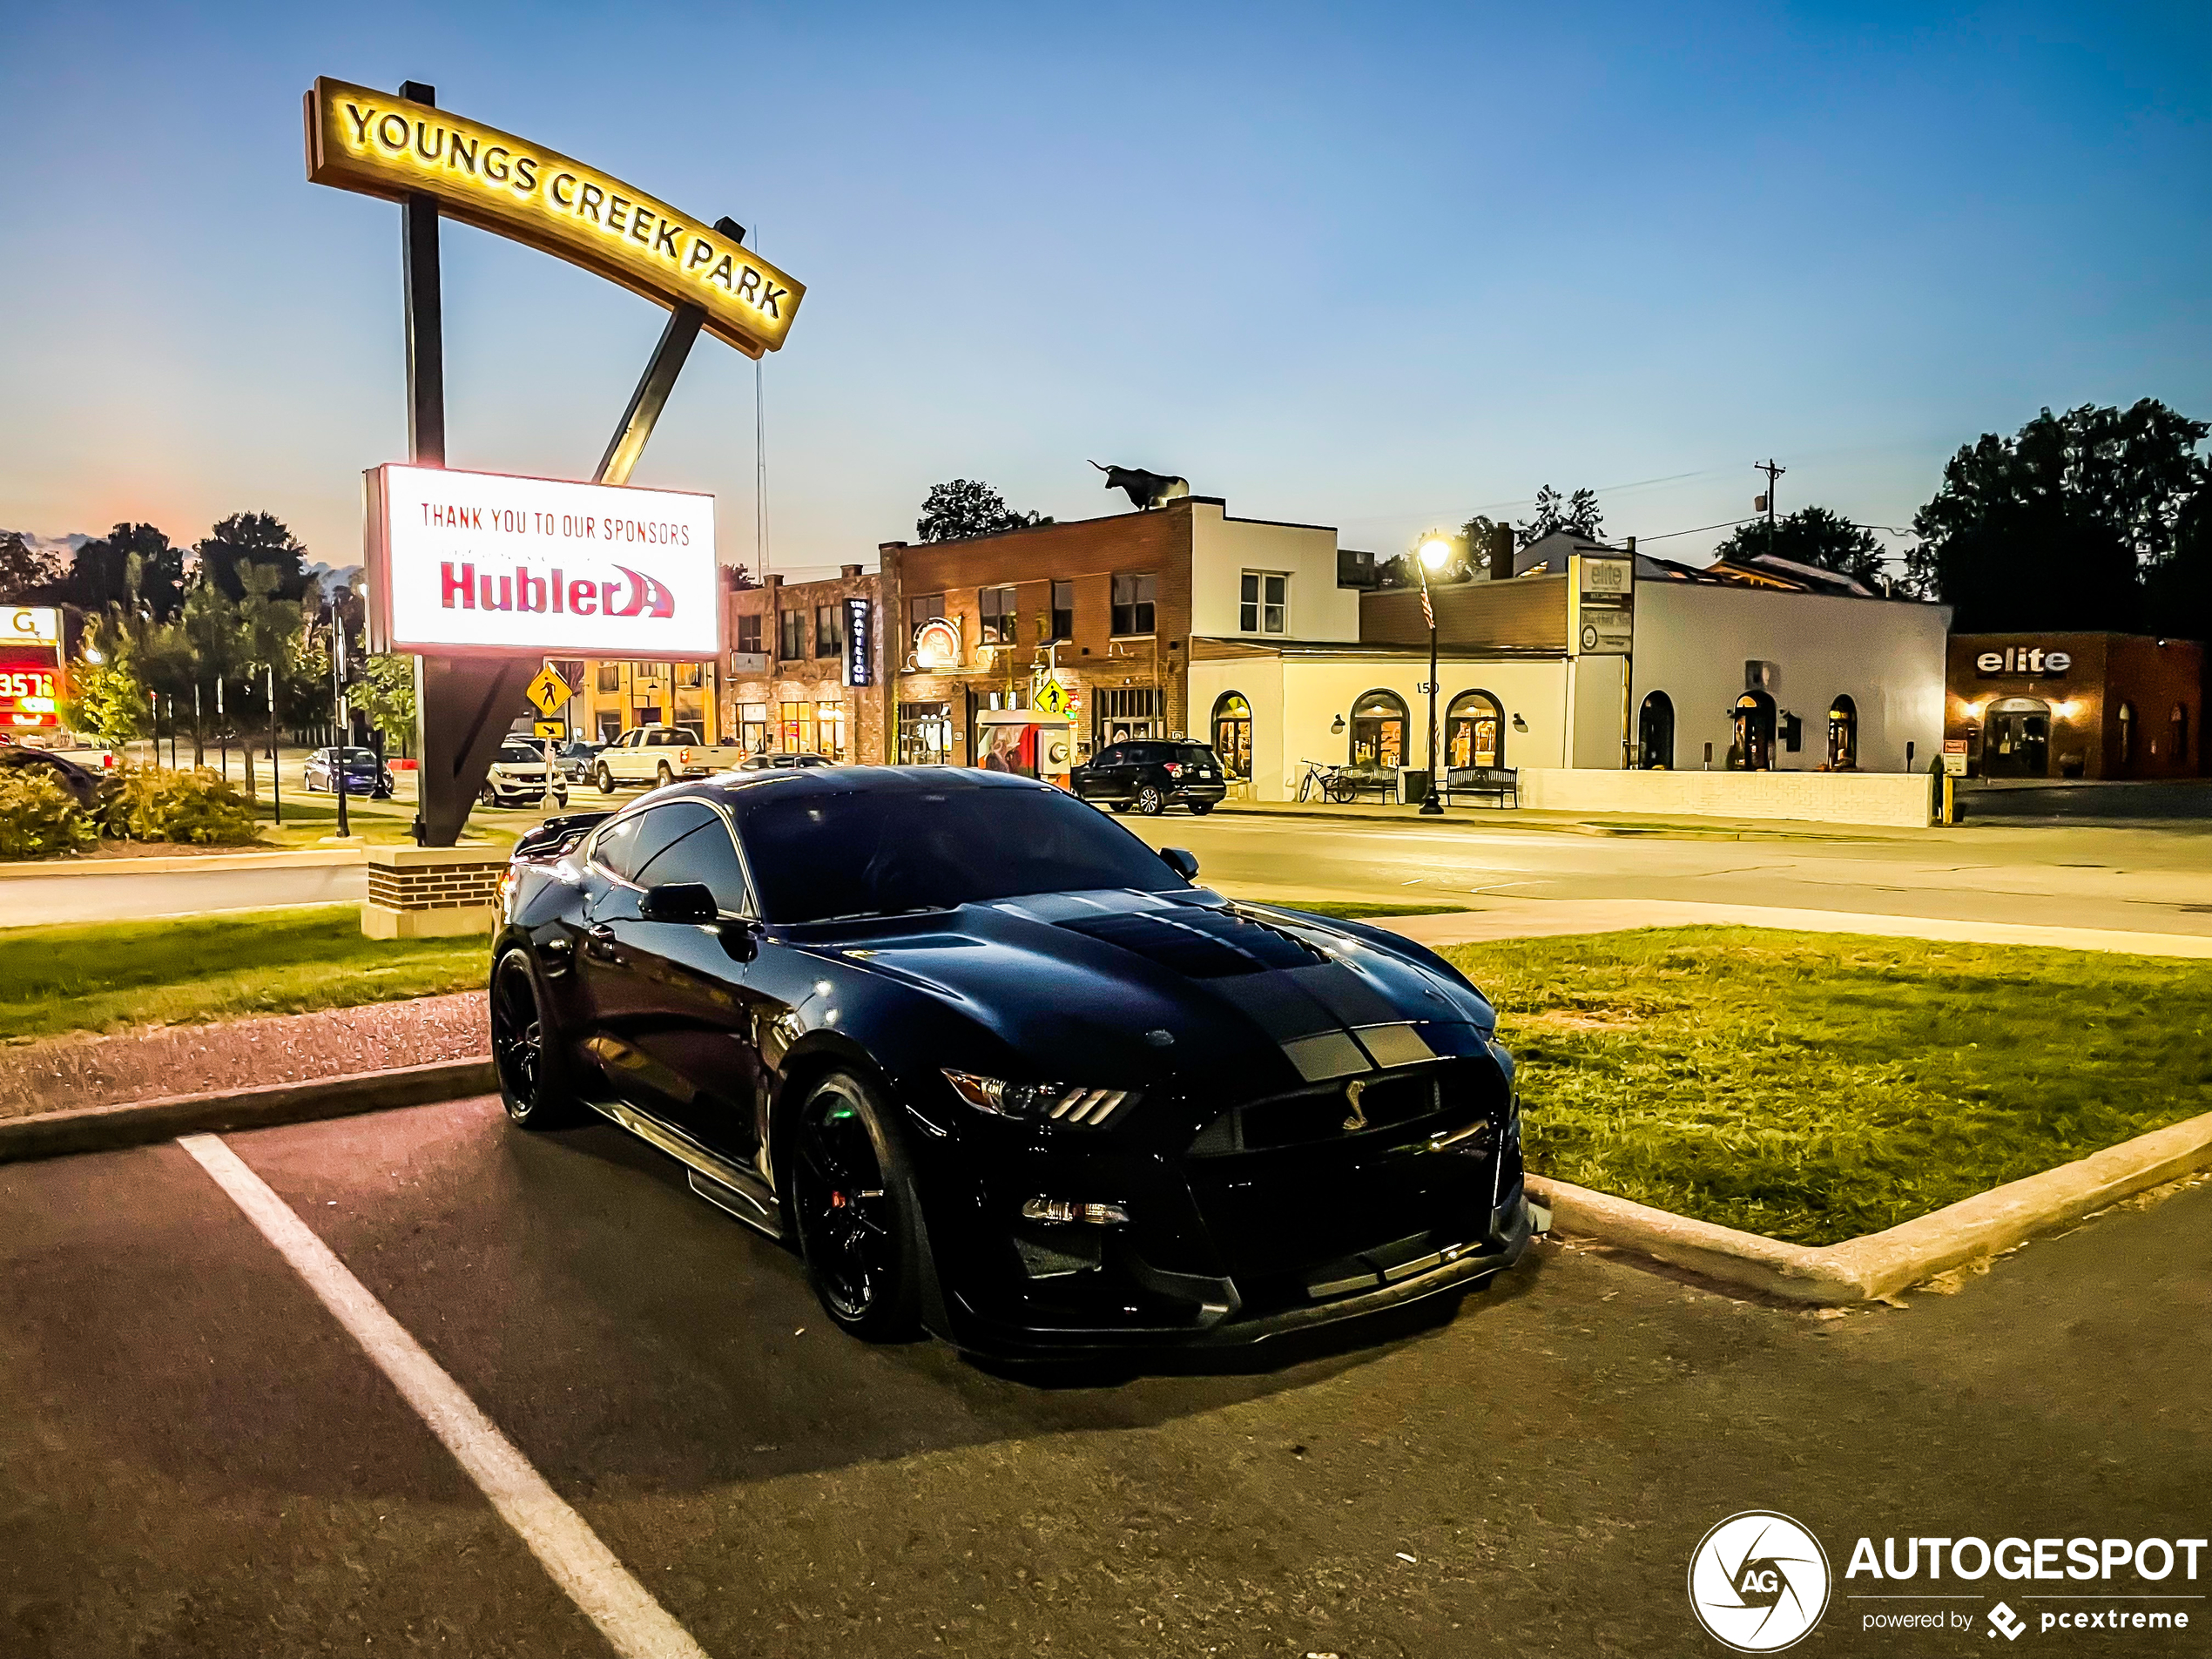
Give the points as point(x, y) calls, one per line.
point(857, 1218)
point(1149, 801)
point(526, 1050)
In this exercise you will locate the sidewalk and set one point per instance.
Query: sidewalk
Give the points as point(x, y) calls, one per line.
point(1522, 819)
point(1541, 917)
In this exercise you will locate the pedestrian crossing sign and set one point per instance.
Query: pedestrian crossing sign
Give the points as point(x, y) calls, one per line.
point(549, 691)
point(1050, 698)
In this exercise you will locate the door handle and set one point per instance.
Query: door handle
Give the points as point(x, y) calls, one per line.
point(599, 942)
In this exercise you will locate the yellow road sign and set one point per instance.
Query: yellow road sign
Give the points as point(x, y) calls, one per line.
point(549, 691)
point(549, 730)
point(1050, 698)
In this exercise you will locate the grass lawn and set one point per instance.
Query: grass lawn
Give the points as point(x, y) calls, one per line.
point(1813, 1087)
point(109, 975)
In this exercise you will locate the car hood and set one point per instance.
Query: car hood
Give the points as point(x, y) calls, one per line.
point(1123, 988)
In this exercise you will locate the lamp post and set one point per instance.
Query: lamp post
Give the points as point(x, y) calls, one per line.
point(1433, 553)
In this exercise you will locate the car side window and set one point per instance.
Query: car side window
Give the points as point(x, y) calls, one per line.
point(707, 856)
point(1111, 757)
point(626, 848)
point(611, 848)
point(661, 739)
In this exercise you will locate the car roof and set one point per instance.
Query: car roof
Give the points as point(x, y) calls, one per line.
point(740, 790)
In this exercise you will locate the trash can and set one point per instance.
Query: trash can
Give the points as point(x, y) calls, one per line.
point(1412, 784)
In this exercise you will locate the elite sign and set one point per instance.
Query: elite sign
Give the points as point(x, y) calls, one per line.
point(364, 140)
point(464, 563)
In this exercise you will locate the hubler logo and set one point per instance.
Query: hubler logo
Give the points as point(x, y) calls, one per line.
point(464, 588)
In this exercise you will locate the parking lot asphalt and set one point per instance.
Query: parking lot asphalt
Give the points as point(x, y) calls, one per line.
point(196, 1459)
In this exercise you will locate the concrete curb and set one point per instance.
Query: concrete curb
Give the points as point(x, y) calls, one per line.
point(1879, 1264)
point(287, 859)
point(103, 1129)
point(1485, 818)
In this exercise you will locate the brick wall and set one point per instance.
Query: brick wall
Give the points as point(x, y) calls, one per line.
point(808, 680)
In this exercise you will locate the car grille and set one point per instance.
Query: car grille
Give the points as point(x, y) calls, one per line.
point(1286, 1189)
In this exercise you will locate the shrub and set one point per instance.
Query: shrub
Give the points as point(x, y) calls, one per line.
point(40, 817)
point(198, 808)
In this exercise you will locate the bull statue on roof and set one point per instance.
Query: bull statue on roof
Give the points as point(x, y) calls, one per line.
point(1146, 489)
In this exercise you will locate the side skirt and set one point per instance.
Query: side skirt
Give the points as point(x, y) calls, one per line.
point(726, 1185)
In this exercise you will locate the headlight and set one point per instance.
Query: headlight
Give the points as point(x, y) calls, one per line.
point(1040, 1103)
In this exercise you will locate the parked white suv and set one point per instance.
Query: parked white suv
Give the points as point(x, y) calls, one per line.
point(517, 777)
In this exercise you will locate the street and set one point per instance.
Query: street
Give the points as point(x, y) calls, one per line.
point(2150, 879)
point(198, 1461)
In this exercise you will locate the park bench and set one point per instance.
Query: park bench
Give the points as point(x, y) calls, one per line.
point(1499, 783)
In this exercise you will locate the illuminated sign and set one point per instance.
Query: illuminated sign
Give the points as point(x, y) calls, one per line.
point(860, 642)
point(1602, 620)
point(937, 644)
point(27, 695)
point(479, 563)
point(29, 626)
point(2016, 660)
point(380, 145)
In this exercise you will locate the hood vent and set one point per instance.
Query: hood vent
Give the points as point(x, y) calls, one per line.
point(1200, 943)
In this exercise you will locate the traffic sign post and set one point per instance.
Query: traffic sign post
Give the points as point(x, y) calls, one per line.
point(549, 692)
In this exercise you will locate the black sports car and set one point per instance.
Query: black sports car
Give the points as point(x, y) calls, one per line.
point(997, 1067)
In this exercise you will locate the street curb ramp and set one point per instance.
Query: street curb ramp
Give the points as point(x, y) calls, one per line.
point(1875, 1266)
point(102, 1128)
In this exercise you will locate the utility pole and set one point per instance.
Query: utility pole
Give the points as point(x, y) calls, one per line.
point(1766, 501)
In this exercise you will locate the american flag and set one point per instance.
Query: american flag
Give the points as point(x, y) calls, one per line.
point(1429, 610)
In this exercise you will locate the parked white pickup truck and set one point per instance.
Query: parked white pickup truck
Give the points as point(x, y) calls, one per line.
point(660, 754)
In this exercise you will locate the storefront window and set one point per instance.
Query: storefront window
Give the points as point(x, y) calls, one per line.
point(1473, 730)
point(795, 728)
point(1379, 726)
point(752, 726)
point(610, 728)
point(609, 678)
point(1655, 733)
point(688, 675)
point(2126, 734)
point(1753, 747)
point(1843, 735)
point(1124, 711)
point(925, 734)
point(1232, 733)
point(829, 726)
point(2178, 722)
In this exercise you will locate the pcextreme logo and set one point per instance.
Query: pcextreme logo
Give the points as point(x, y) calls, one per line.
point(1758, 1582)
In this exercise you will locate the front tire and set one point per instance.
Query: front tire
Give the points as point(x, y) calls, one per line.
point(1150, 802)
point(606, 781)
point(858, 1220)
point(526, 1050)
point(486, 796)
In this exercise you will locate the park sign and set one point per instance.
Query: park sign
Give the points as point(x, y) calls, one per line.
point(486, 565)
point(380, 145)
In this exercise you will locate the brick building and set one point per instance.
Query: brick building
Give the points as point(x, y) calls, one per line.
point(790, 687)
point(2077, 704)
point(1111, 602)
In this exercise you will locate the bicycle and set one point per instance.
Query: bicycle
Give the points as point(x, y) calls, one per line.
point(1322, 781)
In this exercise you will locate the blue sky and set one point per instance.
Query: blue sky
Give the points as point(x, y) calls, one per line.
point(1373, 266)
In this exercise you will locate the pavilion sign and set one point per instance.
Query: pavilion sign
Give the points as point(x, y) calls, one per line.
point(376, 144)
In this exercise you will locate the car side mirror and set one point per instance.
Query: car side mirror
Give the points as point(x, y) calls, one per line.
point(688, 901)
point(1184, 863)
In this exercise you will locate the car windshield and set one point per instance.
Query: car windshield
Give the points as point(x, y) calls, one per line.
point(816, 856)
point(520, 754)
point(361, 760)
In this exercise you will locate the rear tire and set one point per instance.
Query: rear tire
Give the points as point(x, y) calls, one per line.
point(1200, 808)
point(663, 776)
point(1150, 802)
point(535, 1081)
point(1119, 805)
point(854, 1209)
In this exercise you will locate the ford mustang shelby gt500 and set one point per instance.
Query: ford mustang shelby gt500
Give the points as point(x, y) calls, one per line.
point(999, 1069)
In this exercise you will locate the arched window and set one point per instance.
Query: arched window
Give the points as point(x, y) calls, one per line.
point(2179, 722)
point(1474, 731)
point(2127, 735)
point(1232, 733)
point(1843, 735)
point(1753, 748)
point(1378, 728)
point(1655, 732)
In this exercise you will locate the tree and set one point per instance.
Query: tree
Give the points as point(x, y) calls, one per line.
point(132, 564)
point(2059, 525)
point(24, 572)
point(968, 507)
point(385, 696)
point(1578, 515)
point(1812, 535)
point(253, 539)
point(106, 698)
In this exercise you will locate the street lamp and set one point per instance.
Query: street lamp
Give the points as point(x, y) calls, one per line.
point(1434, 555)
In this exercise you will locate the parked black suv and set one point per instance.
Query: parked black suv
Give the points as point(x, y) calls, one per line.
point(1150, 775)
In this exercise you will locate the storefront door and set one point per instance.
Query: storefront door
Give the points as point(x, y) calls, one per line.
point(2017, 741)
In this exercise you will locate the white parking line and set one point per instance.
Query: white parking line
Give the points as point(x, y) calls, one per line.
point(636, 1624)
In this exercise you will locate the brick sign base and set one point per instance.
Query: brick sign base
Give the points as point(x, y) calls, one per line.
point(432, 892)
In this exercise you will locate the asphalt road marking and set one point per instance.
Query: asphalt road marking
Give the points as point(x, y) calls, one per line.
point(634, 1623)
